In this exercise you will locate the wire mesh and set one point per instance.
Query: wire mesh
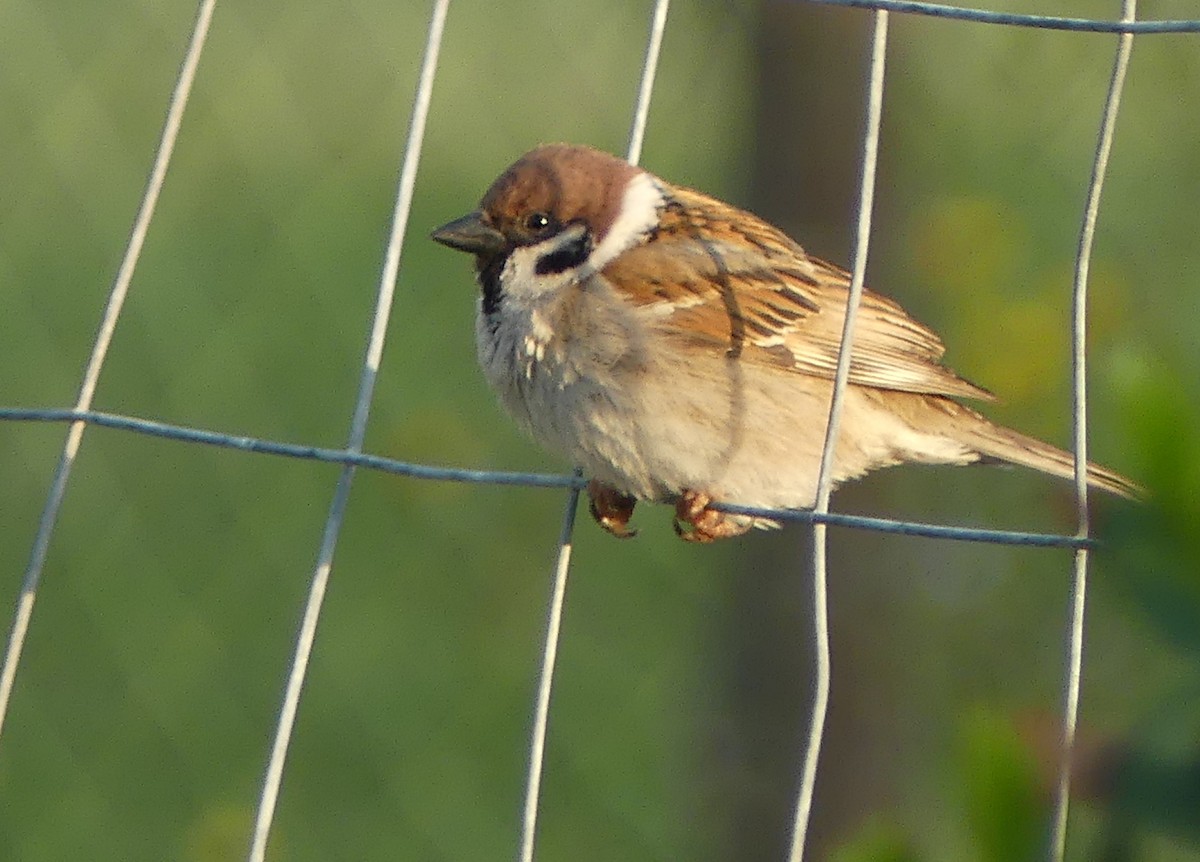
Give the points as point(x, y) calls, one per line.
point(352, 456)
point(1058, 836)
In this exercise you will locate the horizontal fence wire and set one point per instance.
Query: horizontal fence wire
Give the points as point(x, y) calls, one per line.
point(1013, 19)
point(431, 472)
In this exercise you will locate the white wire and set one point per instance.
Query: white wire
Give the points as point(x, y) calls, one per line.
point(820, 703)
point(91, 375)
point(641, 114)
point(541, 720)
point(1062, 796)
point(337, 508)
point(537, 742)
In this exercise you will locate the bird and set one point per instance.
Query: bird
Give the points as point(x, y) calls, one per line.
point(682, 350)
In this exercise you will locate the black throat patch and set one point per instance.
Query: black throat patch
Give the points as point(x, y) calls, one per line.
point(489, 282)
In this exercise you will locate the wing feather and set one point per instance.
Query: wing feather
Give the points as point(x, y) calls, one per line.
point(725, 280)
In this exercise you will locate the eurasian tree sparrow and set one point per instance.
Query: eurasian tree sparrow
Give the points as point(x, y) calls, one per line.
point(678, 348)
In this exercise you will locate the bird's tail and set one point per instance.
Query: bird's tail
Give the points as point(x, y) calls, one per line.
point(996, 443)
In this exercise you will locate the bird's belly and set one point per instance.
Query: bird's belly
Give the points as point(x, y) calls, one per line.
point(657, 427)
point(583, 407)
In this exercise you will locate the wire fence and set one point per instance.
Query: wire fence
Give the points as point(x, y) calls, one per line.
point(352, 457)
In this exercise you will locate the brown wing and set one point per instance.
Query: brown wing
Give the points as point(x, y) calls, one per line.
point(721, 278)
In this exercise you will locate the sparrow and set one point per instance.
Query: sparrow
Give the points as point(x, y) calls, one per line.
point(682, 350)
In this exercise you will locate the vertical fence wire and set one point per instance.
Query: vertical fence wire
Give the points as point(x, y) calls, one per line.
point(820, 704)
point(1087, 233)
point(541, 720)
point(358, 425)
point(641, 113)
point(91, 374)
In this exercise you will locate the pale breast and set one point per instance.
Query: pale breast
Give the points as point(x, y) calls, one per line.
point(569, 370)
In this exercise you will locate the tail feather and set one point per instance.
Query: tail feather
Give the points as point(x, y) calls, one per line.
point(997, 443)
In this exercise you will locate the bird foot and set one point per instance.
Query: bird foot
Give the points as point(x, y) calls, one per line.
point(696, 522)
point(611, 509)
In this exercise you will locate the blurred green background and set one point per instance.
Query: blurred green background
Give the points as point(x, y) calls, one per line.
point(173, 589)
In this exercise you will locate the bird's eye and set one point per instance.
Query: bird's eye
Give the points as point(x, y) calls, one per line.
point(538, 222)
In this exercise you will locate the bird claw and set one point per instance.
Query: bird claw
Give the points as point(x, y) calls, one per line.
point(611, 509)
point(696, 522)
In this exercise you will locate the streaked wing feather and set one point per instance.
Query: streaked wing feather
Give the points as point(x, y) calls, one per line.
point(725, 279)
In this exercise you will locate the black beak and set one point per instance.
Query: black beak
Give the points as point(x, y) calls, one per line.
point(471, 234)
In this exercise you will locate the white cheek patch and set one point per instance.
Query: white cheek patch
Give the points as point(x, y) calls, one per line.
point(639, 214)
point(520, 277)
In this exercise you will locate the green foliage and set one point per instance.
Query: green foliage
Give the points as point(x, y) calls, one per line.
point(1004, 807)
point(876, 842)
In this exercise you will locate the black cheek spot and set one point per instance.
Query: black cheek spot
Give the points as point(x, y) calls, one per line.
point(567, 256)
